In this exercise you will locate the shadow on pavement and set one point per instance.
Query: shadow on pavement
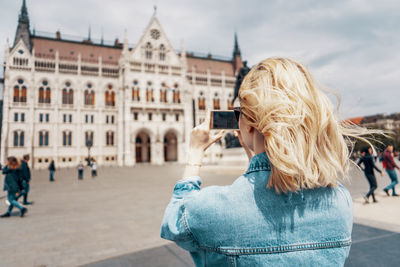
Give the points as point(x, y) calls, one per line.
point(169, 255)
point(371, 247)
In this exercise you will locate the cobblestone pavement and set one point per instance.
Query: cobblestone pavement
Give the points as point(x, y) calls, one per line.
point(119, 213)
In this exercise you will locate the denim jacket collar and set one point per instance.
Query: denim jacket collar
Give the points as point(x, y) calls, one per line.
point(259, 162)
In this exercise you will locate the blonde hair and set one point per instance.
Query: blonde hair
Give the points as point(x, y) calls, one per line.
point(304, 140)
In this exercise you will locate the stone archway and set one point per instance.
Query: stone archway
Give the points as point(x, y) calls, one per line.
point(170, 147)
point(143, 147)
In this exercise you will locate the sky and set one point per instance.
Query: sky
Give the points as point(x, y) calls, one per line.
point(352, 47)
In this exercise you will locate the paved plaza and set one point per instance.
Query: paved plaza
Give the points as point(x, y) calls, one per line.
point(114, 219)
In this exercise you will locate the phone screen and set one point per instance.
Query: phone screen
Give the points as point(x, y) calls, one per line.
point(223, 120)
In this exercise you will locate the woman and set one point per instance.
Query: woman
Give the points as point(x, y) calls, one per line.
point(12, 186)
point(94, 169)
point(369, 166)
point(288, 209)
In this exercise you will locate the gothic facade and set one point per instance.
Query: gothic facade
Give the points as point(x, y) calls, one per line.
point(65, 100)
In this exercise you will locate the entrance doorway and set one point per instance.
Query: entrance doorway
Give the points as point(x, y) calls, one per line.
point(143, 148)
point(170, 147)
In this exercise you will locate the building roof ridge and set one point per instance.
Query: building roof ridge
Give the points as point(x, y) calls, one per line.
point(89, 43)
point(209, 56)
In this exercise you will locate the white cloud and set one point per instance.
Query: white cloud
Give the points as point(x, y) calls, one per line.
point(350, 46)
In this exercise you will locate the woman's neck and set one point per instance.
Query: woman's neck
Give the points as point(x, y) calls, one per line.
point(258, 143)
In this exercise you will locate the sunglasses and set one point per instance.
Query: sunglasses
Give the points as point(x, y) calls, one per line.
point(237, 111)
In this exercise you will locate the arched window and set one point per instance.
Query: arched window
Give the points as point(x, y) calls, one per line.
point(89, 95)
point(176, 94)
point(41, 95)
point(43, 138)
point(16, 139)
point(162, 52)
point(92, 97)
point(16, 94)
point(110, 96)
point(44, 93)
point(67, 94)
point(163, 93)
point(89, 141)
point(20, 92)
point(148, 51)
point(48, 95)
point(149, 92)
point(110, 138)
point(216, 104)
point(64, 96)
point(135, 91)
point(23, 94)
point(201, 101)
point(71, 96)
point(19, 138)
point(86, 97)
point(67, 138)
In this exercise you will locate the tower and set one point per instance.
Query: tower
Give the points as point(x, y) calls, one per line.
point(23, 31)
point(237, 58)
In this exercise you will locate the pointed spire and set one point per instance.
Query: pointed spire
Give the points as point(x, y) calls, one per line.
point(24, 6)
point(183, 52)
point(236, 49)
point(125, 44)
point(23, 16)
point(89, 33)
point(23, 31)
point(155, 10)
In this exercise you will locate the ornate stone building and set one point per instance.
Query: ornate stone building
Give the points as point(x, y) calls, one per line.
point(64, 99)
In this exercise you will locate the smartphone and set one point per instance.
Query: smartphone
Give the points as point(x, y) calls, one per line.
point(223, 120)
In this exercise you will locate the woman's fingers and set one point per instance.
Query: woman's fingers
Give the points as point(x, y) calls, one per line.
point(218, 136)
point(215, 138)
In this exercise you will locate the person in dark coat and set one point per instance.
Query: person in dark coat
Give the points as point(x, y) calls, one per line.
point(390, 169)
point(368, 161)
point(26, 178)
point(12, 172)
point(52, 169)
point(80, 170)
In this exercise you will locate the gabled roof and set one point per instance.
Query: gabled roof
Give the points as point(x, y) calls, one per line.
point(161, 39)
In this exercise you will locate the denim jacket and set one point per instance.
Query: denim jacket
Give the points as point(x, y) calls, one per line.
point(246, 224)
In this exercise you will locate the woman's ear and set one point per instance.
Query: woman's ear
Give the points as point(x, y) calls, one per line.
point(249, 128)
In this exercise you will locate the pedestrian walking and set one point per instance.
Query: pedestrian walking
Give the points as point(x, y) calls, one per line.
point(12, 172)
point(390, 166)
point(52, 169)
point(368, 161)
point(80, 170)
point(25, 173)
point(94, 169)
